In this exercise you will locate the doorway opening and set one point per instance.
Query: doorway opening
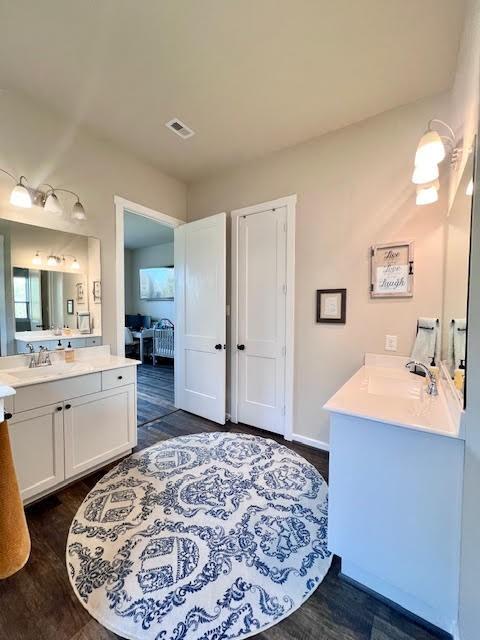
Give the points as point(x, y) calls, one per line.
point(146, 323)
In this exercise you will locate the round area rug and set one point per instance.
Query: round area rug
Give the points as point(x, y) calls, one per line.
point(207, 536)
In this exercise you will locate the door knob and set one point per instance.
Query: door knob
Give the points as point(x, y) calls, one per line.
point(218, 346)
point(241, 347)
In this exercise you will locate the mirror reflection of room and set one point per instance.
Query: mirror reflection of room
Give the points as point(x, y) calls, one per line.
point(150, 312)
point(455, 297)
point(48, 283)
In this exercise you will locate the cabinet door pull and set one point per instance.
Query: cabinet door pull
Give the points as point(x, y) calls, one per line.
point(7, 416)
point(120, 377)
point(59, 408)
point(68, 406)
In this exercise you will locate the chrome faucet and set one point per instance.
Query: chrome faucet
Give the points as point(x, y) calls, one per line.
point(432, 388)
point(42, 359)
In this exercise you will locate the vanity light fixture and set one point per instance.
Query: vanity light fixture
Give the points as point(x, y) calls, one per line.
point(425, 173)
point(20, 196)
point(427, 193)
point(37, 260)
point(431, 150)
point(52, 204)
point(53, 261)
point(26, 197)
point(75, 265)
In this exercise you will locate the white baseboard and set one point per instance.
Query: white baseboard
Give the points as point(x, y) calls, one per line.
point(311, 442)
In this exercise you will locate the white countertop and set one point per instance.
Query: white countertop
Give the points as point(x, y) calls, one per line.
point(14, 371)
point(393, 395)
point(39, 336)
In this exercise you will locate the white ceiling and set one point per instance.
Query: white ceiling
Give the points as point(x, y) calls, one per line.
point(249, 76)
point(143, 232)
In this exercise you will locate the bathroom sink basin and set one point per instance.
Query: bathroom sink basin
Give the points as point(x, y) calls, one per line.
point(410, 387)
point(24, 374)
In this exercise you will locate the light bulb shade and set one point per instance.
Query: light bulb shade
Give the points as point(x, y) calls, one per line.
point(430, 150)
point(20, 197)
point(425, 173)
point(52, 204)
point(78, 212)
point(75, 265)
point(469, 189)
point(427, 194)
point(52, 261)
point(37, 260)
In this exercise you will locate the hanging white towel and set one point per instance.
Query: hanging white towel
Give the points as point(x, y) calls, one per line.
point(426, 346)
point(457, 339)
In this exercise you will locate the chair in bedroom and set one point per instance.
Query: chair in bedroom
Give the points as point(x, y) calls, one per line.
point(132, 345)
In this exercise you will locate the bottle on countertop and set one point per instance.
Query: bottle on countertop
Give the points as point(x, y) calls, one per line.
point(433, 368)
point(60, 349)
point(69, 353)
point(459, 376)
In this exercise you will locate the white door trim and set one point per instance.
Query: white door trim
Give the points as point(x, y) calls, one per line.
point(122, 205)
point(290, 203)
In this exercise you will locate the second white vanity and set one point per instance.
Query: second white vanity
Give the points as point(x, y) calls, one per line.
point(68, 419)
point(395, 487)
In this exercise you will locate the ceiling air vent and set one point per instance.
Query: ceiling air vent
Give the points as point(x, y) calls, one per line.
point(180, 128)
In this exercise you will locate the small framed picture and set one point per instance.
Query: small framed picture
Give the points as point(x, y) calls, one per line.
point(80, 293)
point(332, 306)
point(97, 291)
point(70, 307)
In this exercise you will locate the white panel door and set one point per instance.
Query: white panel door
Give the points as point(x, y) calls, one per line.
point(37, 446)
point(261, 310)
point(200, 332)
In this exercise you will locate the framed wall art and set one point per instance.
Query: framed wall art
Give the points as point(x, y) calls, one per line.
point(391, 270)
point(97, 291)
point(332, 306)
point(80, 293)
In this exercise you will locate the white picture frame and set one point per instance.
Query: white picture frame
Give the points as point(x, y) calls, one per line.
point(391, 270)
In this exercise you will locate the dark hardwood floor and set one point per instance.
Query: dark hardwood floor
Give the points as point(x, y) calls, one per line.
point(38, 604)
point(154, 391)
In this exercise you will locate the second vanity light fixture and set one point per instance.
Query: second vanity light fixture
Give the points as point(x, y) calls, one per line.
point(55, 261)
point(431, 151)
point(26, 197)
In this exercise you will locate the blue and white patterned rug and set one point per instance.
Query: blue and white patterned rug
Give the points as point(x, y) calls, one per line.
point(207, 536)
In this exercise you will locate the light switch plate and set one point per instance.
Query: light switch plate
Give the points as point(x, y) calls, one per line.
point(391, 343)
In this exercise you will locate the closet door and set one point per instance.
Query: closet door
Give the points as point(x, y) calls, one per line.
point(261, 308)
point(200, 332)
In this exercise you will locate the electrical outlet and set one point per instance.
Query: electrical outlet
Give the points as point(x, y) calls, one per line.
point(391, 343)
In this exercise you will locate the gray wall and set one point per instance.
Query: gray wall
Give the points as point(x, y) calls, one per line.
point(157, 256)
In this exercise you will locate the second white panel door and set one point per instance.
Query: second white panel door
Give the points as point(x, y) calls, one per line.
point(261, 319)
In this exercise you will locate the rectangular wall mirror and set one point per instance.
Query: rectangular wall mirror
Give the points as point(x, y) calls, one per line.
point(455, 295)
point(49, 288)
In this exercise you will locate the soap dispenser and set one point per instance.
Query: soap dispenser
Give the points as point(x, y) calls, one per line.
point(69, 353)
point(459, 376)
point(433, 368)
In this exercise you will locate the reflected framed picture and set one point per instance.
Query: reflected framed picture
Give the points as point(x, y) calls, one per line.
point(97, 291)
point(332, 306)
point(70, 307)
point(80, 293)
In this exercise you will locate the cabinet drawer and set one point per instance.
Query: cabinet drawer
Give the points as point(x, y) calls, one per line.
point(118, 377)
point(93, 342)
point(45, 393)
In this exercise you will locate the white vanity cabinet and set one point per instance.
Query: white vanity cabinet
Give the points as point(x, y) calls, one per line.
point(36, 437)
point(66, 428)
point(98, 427)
